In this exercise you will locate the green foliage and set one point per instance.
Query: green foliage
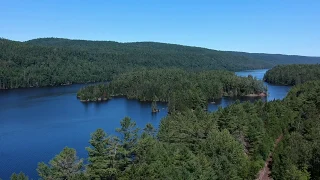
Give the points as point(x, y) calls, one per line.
point(20, 176)
point(128, 140)
point(248, 124)
point(293, 74)
point(53, 61)
point(103, 162)
point(149, 130)
point(278, 59)
point(298, 155)
point(110, 156)
point(98, 92)
point(182, 90)
point(231, 143)
point(158, 160)
point(65, 165)
point(189, 145)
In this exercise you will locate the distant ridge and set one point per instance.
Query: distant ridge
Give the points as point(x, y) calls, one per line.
point(273, 59)
point(277, 59)
point(56, 61)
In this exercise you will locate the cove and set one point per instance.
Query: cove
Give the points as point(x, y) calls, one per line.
point(37, 123)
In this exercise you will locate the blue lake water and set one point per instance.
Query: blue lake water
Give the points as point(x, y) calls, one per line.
point(274, 91)
point(37, 123)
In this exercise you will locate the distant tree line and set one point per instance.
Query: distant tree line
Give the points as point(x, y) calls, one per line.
point(279, 59)
point(52, 61)
point(231, 143)
point(293, 74)
point(181, 89)
point(56, 61)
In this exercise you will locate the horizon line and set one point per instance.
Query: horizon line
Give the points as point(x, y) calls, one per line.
point(170, 43)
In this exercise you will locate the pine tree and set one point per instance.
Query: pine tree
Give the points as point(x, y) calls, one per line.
point(102, 156)
point(20, 176)
point(65, 165)
point(149, 130)
point(128, 140)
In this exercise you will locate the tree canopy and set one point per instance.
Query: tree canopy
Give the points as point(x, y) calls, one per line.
point(280, 59)
point(53, 61)
point(293, 74)
point(181, 89)
point(57, 61)
point(298, 156)
point(231, 143)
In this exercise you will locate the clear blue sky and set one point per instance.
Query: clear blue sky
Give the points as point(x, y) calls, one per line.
point(272, 26)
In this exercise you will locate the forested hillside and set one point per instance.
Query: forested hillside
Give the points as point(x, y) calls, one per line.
point(52, 61)
point(278, 59)
point(232, 143)
point(293, 74)
point(298, 155)
point(181, 89)
point(56, 61)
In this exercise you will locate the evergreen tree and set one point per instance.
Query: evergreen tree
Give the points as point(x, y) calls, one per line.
point(293, 74)
point(103, 159)
point(149, 130)
point(181, 89)
point(128, 140)
point(20, 176)
point(65, 165)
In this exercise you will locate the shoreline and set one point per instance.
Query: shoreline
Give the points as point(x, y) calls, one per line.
point(263, 94)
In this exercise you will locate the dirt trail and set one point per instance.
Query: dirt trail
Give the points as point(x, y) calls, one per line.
point(264, 174)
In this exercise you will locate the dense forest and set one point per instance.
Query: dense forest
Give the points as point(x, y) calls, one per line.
point(52, 61)
point(56, 61)
point(298, 155)
point(103, 46)
point(231, 143)
point(190, 143)
point(293, 74)
point(181, 89)
point(279, 59)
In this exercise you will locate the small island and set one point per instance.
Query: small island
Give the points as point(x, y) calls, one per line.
point(154, 107)
point(179, 88)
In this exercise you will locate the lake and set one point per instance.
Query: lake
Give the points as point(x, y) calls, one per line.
point(37, 123)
